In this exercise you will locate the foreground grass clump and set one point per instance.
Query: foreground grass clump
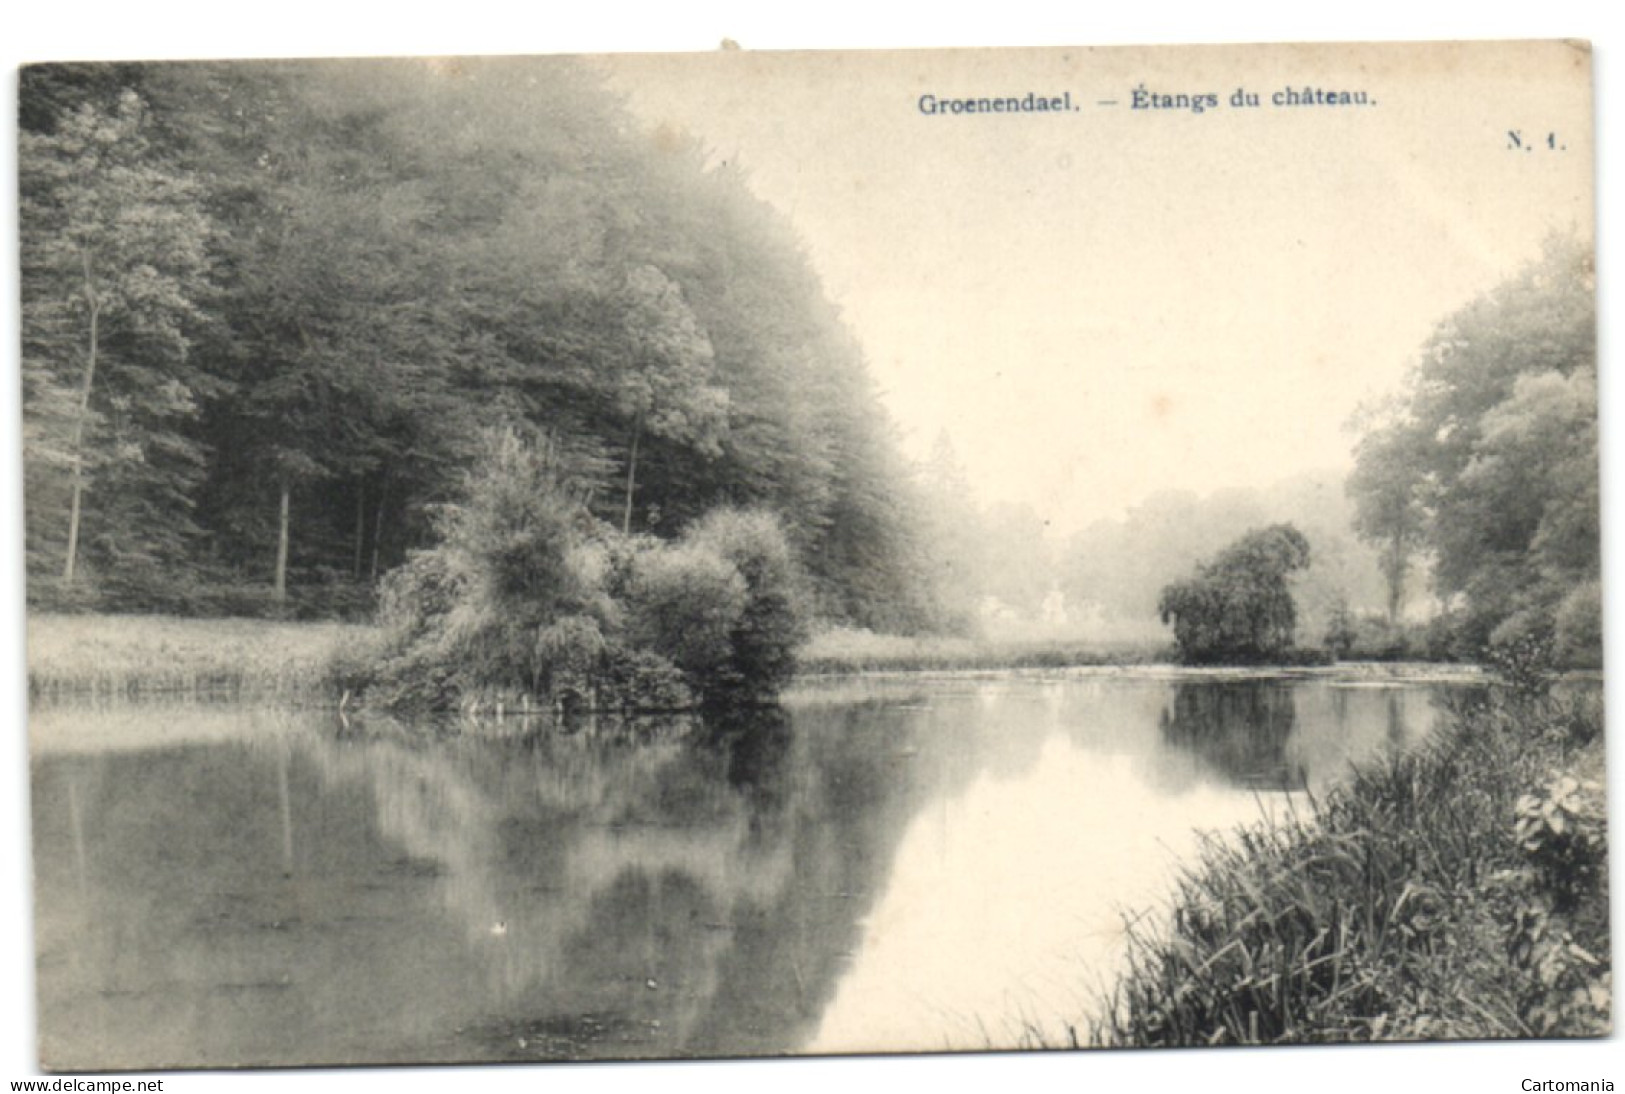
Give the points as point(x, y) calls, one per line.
point(138, 656)
point(1453, 891)
point(844, 651)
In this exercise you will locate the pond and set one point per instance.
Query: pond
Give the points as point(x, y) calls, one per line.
point(886, 864)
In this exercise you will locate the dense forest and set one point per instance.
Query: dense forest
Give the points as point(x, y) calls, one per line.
point(274, 313)
point(271, 313)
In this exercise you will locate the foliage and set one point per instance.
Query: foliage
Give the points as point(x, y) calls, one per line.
point(683, 605)
point(1577, 626)
point(1387, 509)
point(530, 600)
point(1489, 463)
point(1406, 907)
point(1563, 832)
point(723, 604)
point(115, 264)
point(1371, 636)
point(1341, 633)
point(488, 608)
point(392, 257)
point(1524, 663)
point(663, 384)
point(772, 622)
point(1238, 607)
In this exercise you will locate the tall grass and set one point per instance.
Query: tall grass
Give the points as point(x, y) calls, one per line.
point(843, 651)
point(101, 657)
point(1403, 906)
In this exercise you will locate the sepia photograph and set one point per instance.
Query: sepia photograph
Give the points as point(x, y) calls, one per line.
point(593, 557)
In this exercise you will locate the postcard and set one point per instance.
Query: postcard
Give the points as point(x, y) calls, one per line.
point(748, 554)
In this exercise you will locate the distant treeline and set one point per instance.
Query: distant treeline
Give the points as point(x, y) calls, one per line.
point(269, 309)
point(1477, 484)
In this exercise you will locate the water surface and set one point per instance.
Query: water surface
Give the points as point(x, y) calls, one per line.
point(879, 865)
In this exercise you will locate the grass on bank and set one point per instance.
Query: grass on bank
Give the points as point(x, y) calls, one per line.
point(1458, 890)
point(842, 651)
point(74, 656)
point(144, 656)
point(134, 656)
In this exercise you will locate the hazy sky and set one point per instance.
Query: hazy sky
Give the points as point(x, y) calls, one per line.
point(1101, 303)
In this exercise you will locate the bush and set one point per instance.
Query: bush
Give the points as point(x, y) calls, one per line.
point(1341, 633)
point(417, 597)
point(527, 597)
point(1578, 627)
point(684, 604)
point(1522, 658)
point(514, 537)
point(1370, 637)
point(566, 660)
point(773, 623)
point(1563, 831)
point(639, 680)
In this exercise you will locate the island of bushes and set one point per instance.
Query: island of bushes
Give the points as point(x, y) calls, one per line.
point(529, 602)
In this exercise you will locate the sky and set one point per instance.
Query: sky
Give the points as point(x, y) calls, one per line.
point(1099, 304)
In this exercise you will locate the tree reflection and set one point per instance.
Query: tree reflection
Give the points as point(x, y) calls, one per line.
point(376, 895)
point(1240, 729)
point(754, 744)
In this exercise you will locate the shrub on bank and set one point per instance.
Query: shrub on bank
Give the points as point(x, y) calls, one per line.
point(530, 601)
point(772, 624)
point(683, 604)
point(1577, 627)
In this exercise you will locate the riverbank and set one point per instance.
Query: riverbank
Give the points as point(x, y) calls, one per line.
point(73, 656)
point(1456, 891)
point(100, 657)
point(844, 652)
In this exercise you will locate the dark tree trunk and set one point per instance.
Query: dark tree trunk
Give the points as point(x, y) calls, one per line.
point(631, 477)
point(1395, 573)
point(75, 506)
point(378, 526)
point(360, 528)
point(282, 546)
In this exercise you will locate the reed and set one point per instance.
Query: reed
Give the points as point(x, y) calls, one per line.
point(844, 652)
point(1392, 909)
point(104, 657)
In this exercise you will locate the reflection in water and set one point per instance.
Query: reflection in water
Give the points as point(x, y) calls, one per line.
point(296, 896)
point(1241, 729)
point(877, 865)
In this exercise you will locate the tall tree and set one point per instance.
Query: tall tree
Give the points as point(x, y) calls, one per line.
point(413, 250)
point(663, 385)
point(1493, 452)
point(1238, 607)
point(114, 252)
point(1387, 486)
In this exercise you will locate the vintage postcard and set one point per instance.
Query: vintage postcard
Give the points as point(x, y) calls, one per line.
point(756, 554)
